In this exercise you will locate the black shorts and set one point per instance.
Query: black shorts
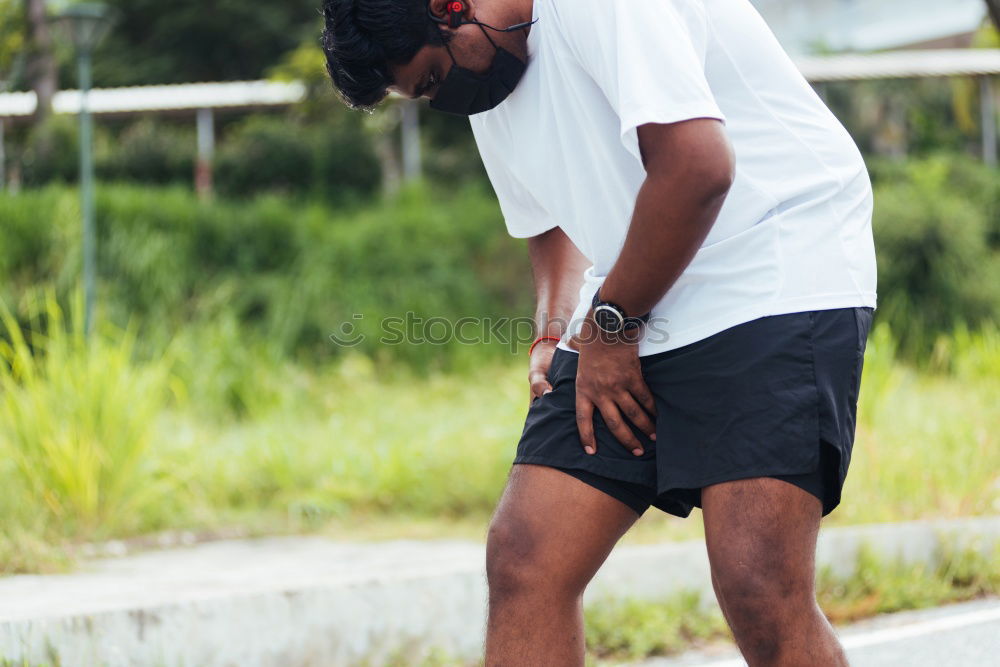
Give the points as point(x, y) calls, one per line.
point(775, 397)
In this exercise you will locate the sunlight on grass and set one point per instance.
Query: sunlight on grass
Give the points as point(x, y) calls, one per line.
point(637, 629)
point(878, 587)
point(927, 444)
point(99, 441)
point(78, 428)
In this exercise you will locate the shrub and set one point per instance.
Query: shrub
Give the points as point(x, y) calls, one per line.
point(292, 272)
point(345, 163)
point(150, 152)
point(264, 153)
point(39, 241)
point(52, 152)
point(278, 154)
point(958, 175)
point(938, 266)
point(289, 273)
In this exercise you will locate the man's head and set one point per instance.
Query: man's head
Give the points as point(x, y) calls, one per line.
point(374, 47)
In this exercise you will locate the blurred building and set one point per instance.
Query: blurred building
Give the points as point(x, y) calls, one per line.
point(825, 26)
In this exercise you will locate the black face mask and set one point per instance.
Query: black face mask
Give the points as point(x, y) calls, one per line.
point(465, 93)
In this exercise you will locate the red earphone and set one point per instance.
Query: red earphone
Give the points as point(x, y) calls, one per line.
point(455, 10)
point(455, 20)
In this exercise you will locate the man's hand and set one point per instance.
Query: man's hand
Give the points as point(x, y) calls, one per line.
point(609, 378)
point(557, 266)
point(538, 369)
point(689, 169)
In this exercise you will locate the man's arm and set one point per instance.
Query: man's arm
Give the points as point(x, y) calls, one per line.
point(689, 170)
point(557, 266)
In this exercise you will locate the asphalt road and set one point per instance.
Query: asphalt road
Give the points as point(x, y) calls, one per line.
point(961, 635)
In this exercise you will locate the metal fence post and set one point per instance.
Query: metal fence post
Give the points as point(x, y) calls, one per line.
point(989, 110)
point(206, 151)
point(3, 158)
point(412, 159)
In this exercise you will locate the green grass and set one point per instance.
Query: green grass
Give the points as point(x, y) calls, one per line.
point(78, 423)
point(877, 586)
point(100, 440)
point(927, 443)
point(637, 629)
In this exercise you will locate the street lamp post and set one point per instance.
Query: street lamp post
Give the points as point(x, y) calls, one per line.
point(3, 158)
point(86, 23)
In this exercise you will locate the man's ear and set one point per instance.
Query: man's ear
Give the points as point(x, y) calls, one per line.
point(440, 9)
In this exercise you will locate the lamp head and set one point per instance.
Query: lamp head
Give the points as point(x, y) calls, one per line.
point(87, 23)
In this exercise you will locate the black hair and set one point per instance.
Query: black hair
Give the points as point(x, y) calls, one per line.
point(362, 38)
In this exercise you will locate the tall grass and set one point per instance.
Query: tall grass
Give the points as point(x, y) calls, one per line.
point(103, 438)
point(636, 629)
point(78, 426)
point(437, 445)
point(927, 442)
point(99, 440)
point(877, 586)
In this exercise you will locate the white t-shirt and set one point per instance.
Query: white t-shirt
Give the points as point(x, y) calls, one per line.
point(562, 150)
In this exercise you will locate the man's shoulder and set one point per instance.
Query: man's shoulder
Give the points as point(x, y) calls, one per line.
point(592, 22)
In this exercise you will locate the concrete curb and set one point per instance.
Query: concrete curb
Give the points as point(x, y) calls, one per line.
point(658, 571)
point(312, 601)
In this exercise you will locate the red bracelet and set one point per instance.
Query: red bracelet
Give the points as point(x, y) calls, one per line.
point(540, 339)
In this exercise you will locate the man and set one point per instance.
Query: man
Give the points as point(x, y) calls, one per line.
point(703, 222)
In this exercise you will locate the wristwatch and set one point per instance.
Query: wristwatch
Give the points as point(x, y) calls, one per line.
point(611, 318)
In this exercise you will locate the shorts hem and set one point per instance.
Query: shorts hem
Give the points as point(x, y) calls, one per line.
point(585, 464)
point(667, 500)
point(729, 477)
point(830, 498)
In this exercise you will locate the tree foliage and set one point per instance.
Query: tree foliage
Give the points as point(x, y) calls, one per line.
point(156, 42)
point(11, 38)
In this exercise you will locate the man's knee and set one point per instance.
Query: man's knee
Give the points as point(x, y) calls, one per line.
point(762, 593)
point(504, 544)
point(520, 561)
point(768, 615)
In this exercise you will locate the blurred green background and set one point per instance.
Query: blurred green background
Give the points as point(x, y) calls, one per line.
point(211, 397)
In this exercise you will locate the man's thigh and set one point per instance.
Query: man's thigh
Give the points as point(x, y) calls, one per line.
point(553, 524)
point(761, 536)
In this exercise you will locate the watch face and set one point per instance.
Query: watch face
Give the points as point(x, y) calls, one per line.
point(609, 319)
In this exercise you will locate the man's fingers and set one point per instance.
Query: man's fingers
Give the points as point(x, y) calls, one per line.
point(644, 396)
point(636, 414)
point(616, 424)
point(539, 388)
point(585, 424)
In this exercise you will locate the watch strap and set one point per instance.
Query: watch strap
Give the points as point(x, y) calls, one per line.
point(628, 323)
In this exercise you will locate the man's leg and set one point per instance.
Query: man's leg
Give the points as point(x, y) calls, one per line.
point(761, 535)
point(550, 534)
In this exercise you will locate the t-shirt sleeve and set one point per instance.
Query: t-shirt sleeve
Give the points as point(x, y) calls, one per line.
point(647, 57)
point(522, 213)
